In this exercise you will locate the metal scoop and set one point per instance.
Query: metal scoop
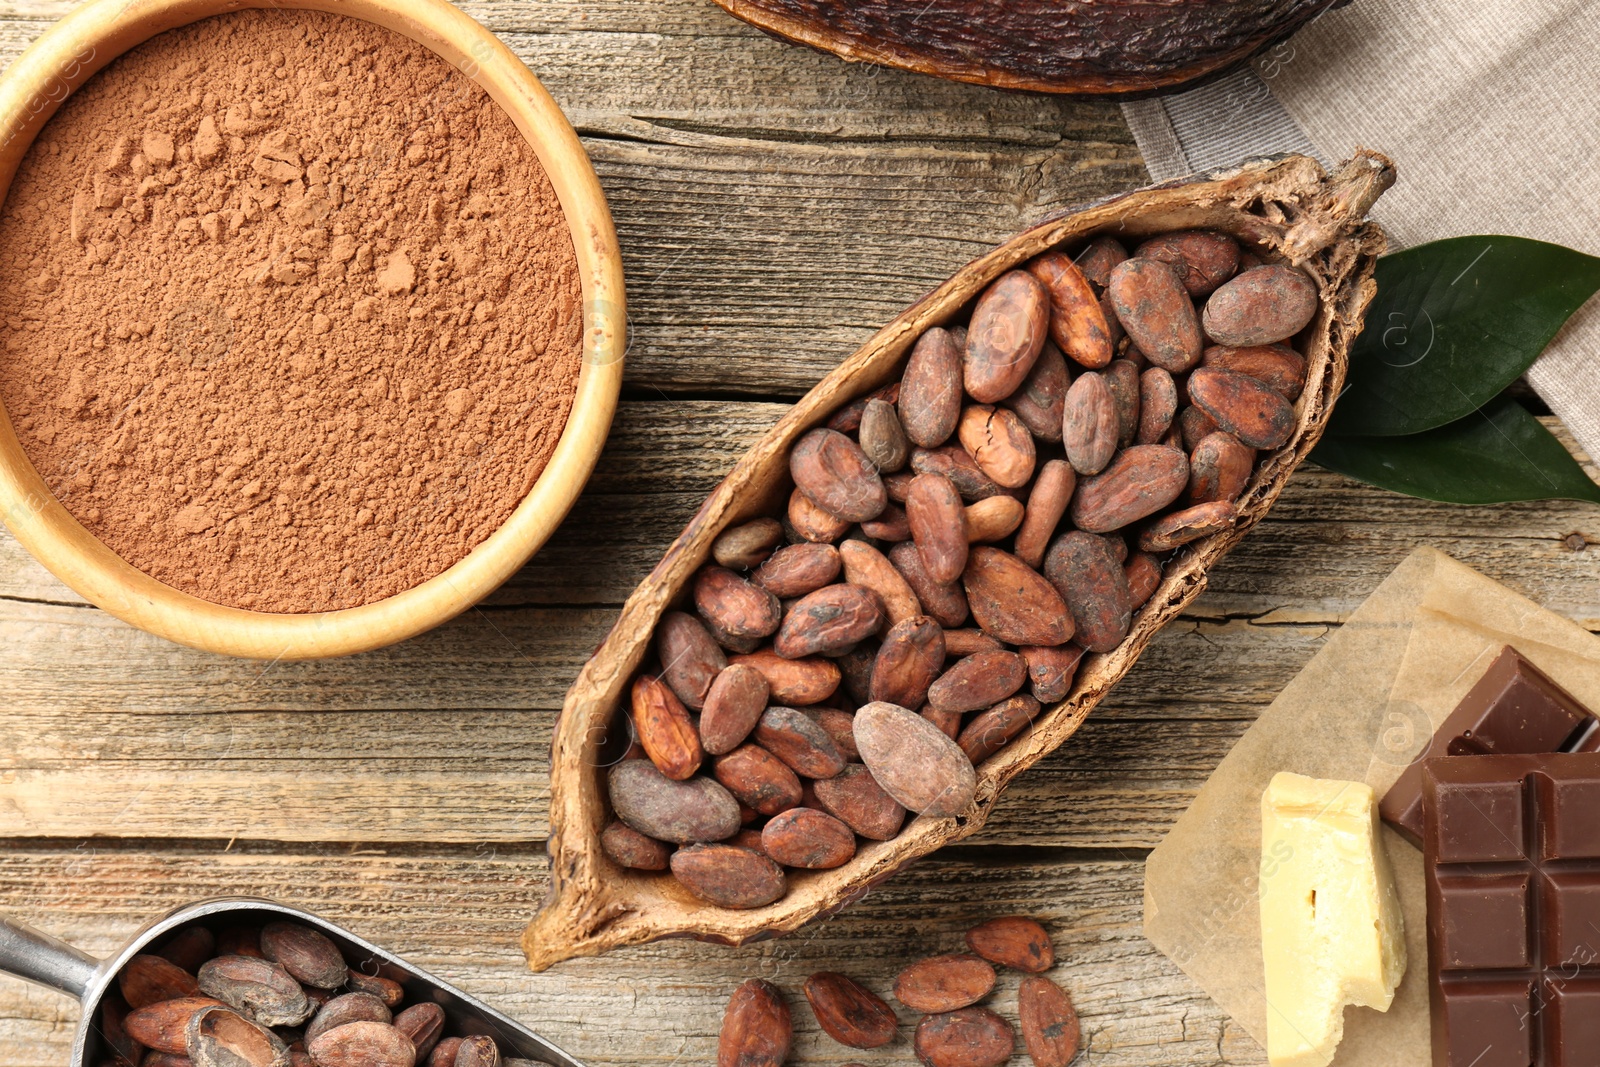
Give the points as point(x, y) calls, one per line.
point(38, 957)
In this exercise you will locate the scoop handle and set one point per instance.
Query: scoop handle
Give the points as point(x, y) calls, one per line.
point(38, 957)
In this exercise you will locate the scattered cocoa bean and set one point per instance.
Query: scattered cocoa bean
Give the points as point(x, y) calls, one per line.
point(1014, 941)
point(729, 876)
point(954, 463)
point(347, 1008)
point(1122, 378)
point(910, 658)
point(1155, 309)
point(1278, 365)
point(738, 697)
point(1260, 306)
point(1246, 407)
point(690, 657)
point(220, 1037)
point(1144, 577)
point(994, 519)
point(810, 523)
point(733, 606)
point(1158, 405)
point(883, 439)
point(1042, 397)
point(1203, 260)
point(977, 681)
point(849, 1012)
point(1012, 601)
point(796, 682)
point(259, 989)
point(944, 602)
point(808, 839)
point(938, 526)
point(892, 525)
point(970, 1037)
point(991, 730)
point(1181, 527)
point(1051, 670)
point(742, 547)
point(1090, 426)
point(756, 1028)
point(162, 1025)
point(916, 764)
point(796, 570)
point(627, 847)
point(679, 812)
point(1140, 482)
point(1047, 503)
point(999, 443)
point(757, 779)
point(149, 979)
point(1085, 570)
point(930, 392)
point(663, 727)
point(836, 475)
point(870, 569)
point(827, 621)
point(1050, 1029)
point(366, 1044)
point(1006, 332)
point(1077, 322)
point(1219, 468)
point(944, 983)
point(800, 741)
point(856, 799)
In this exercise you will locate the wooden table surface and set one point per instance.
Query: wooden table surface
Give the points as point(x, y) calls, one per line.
point(775, 206)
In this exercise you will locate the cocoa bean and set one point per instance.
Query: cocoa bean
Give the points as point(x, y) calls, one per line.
point(856, 666)
point(948, 722)
point(1077, 323)
point(938, 526)
point(1140, 481)
point(1260, 306)
point(910, 658)
point(1086, 572)
point(898, 484)
point(479, 1050)
point(1050, 1029)
point(1014, 941)
point(679, 812)
point(744, 546)
point(829, 620)
point(161, 1026)
point(1279, 366)
point(868, 568)
point(800, 741)
point(1157, 313)
point(954, 463)
point(120, 1050)
point(849, 1012)
point(856, 799)
point(148, 979)
point(945, 602)
point(756, 1028)
point(1219, 468)
point(259, 989)
point(883, 439)
point(891, 526)
point(1007, 329)
point(848, 418)
point(999, 443)
point(1144, 577)
point(1013, 602)
point(967, 642)
point(1099, 257)
point(1203, 260)
point(944, 983)
point(1090, 426)
point(736, 701)
point(664, 728)
point(729, 876)
point(383, 985)
point(1246, 407)
point(366, 1044)
point(749, 839)
point(930, 392)
point(1181, 527)
point(347, 1008)
point(796, 682)
point(796, 570)
point(627, 847)
point(1051, 670)
point(733, 606)
point(690, 657)
point(757, 779)
point(152, 1058)
point(1158, 405)
point(189, 948)
point(977, 681)
point(219, 1037)
point(1122, 378)
point(809, 839)
point(239, 940)
point(1047, 503)
point(810, 523)
point(994, 519)
point(1195, 426)
point(841, 728)
point(916, 764)
point(444, 1053)
point(970, 1037)
point(836, 475)
point(1043, 395)
point(991, 730)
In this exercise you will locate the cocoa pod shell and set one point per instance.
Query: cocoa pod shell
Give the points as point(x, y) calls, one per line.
point(870, 569)
point(1203, 260)
point(828, 621)
point(794, 682)
point(258, 989)
point(150, 979)
point(738, 697)
point(1013, 602)
point(1141, 481)
point(757, 779)
point(690, 657)
point(856, 799)
point(994, 519)
point(1158, 405)
point(833, 472)
point(1077, 322)
point(968, 1037)
point(800, 741)
point(1090, 426)
point(944, 602)
point(739, 548)
point(1157, 313)
point(999, 443)
point(920, 767)
point(992, 729)
point(1087, 573)
point(910, 658)
point(664, 728)
point(796, 570)
point(810, 523)
point(1181, 527)
point(366, 1044)
point(733, 606)
point(1006, 332)
point(678, 812)
point(849, 1012)
point(1279, 366)
point(944, 983)
point(729, 876)
point(1219, 468)
point(938, 526)
point(1246, 407)
point(756, 1028)
point(220, 1037)
point(1260, 306)
point(930, 391)
point(627, 847)
point(1040, 400)
point(883, 439)
point(1014, 941)
point(808, 839)
point(162, 1025)
point(1047, 503)
point(347, 1008)
point(1050, 1029)
point(978, 681)
point(1052, 670)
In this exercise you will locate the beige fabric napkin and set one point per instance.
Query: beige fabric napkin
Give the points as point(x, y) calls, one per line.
point(1491, 110)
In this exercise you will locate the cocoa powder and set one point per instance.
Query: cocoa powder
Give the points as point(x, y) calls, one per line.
point(292, 312)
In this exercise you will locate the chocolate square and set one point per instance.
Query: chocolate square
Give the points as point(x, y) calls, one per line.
point(1572, 918)
point(1485, 922)
point(1572, 829)
point(1488, 1025)
point(1481, 822)
point(1574, 1009)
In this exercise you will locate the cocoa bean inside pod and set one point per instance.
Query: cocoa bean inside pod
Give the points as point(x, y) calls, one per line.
point(729, 876)
point(1013, 602)
point(1144, 577)
point(870, 569)
point(954, 463)
point(1090, 426)
point(944, 602)
point(994, 519)
point(1260, 306)
point(756, 1027)
point(944, 983)
point(1158, 405)
point(1084, 569)
point(1122, 378)
point(1047, 503)
point(365, 1044)
point(947, 722)
point(1007, 330)
point(938, 526)
point(758, 779)
point(840, 726)
point(737, 699)
point(259, 989)
point(992, 729)
point(1077, 323)
point(1182, 527)
point(796, 570)
point(1099, 258)
point(999, 443)
point(220, 1037)
point(968, 1037)
point(810, 523)
point(1157, 313)
point(808, 839)
point(890, 525)
point(1246, 407)
point(1279, 366)
point(978, 681)
point(856, 666)
point(1194, 426)
point(883, 439)
point(798, 682)
point(856, 799)
point(799, 741)
point(836, 475)
point(1050, 1029)
point(1219, 468)
point(1141, 481)
point(1051, 670)
point(734, 606)
point(849, 1012)
point(1203, 260)
point(923, 769)
point(744, 546)
point(1041, 399)
point(910, 658)
point(627, 847)
point(664, 728)
point(848, 418)
point(828, 621)
point(930, 392)
point(690, 657)
point(679, 812)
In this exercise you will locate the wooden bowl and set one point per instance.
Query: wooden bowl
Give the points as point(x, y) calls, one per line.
point(91, 37)
point(1287, 210)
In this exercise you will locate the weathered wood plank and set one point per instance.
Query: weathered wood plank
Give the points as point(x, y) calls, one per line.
point(459, 915)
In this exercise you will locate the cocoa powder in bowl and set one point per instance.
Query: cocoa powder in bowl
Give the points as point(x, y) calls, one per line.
point(292, 317)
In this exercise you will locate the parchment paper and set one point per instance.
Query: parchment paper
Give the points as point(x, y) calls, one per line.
point(1361, 710)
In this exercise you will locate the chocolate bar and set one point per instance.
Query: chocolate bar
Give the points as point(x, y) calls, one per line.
point(1515, 709)
point(1513, 867)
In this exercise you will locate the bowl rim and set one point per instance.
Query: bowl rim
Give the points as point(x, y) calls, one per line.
point(87, 39)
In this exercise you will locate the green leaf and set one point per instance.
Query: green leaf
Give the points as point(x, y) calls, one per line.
point(1453, 323)
point(1493, 456)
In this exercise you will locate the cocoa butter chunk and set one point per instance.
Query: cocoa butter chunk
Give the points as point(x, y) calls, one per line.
point(923, 769)
point(1007, 331)
point(837, 476)
point(1260, 306)
point(729, 877)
